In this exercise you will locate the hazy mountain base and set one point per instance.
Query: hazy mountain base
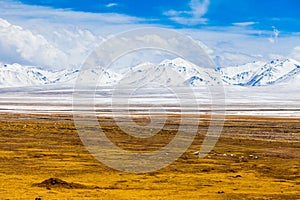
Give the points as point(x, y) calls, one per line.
point(266, 101)
point(255, 158)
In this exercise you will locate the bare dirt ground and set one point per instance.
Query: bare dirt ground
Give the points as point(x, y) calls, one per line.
point(42, 157)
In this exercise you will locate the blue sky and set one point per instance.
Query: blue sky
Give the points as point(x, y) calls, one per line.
point(60, 33)
point(259, 14)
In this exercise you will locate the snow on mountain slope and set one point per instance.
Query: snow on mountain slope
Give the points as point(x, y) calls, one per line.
point(278, 71)
point(275, 72)
point(169, 72)
point(176, 72)
point(258, 73)
point(16, 75)
point(101, 76)
point(151, 75)
point(239, 75)
point(193, 75)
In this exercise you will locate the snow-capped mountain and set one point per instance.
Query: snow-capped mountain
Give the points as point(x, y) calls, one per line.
point(278, 71)
point(177, 72)
point(259, 73)
point(193, 75)
point(99, 75)
point(170, 72)
point(16, 75)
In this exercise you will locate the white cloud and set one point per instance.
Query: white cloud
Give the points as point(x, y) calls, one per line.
point(236, 45)
point(32, 48)
point(189, 21)
point(275, 35)
point(199, 7)
point(60, 38)
point(111, 5)
point(193, 16)
point(295, 54)
point(243, 24)
point(53, 38)
point(15, 11)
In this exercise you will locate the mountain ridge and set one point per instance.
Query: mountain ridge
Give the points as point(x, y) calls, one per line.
point(277, 71)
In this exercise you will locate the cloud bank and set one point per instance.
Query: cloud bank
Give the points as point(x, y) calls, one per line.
point(198, 8)
point(34, 49)
point(53, 38)
point(57, 39)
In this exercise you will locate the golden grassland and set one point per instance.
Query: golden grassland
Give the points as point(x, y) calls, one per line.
point(255, 158)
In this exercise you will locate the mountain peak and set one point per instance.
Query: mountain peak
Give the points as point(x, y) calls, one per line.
point(277, 71)
point(176, 62)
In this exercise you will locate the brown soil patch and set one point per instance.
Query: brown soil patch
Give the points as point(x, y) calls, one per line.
point(58, 183)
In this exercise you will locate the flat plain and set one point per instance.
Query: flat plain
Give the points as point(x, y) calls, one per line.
point(42, 156)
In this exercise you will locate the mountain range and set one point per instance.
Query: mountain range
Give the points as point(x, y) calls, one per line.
point(277, 71)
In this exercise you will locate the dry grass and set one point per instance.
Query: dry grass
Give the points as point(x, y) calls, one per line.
point(265, 161)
